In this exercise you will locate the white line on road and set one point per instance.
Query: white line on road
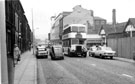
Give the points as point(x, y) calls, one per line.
point(93, 64)
point(127, 75)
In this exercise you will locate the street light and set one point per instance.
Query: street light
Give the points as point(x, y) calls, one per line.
point(33, 30)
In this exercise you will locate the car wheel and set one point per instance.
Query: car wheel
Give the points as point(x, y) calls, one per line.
point(92, 55)
point(62, 58)
point(111, 57)
point(85, 55)
point(46, 56)
point(51, 57)
point(101, 56)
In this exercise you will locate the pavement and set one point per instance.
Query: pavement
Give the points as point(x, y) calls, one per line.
point(26, 69)
point(125, 59)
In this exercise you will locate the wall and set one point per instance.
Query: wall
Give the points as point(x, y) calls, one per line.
point(125, 46)
point(79, 16)
point(3, 54)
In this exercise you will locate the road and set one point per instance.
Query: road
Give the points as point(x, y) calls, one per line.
point(90, 70)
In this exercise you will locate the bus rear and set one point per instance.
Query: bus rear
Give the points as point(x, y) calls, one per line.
point(74, 37)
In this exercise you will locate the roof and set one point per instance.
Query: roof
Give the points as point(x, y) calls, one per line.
point(63, 13)
point(94, 30)
point(66, 13)
point(120, 27)
point(109, 28)
point(98, 18)
point(132, 20)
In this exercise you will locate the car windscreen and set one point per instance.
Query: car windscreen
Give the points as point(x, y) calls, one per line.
point(106, 48)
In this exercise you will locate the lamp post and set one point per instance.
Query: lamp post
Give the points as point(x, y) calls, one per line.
point(32, 30)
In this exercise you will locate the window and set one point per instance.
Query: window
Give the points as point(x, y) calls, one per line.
point(82, 29)
point(67, 30)
point(74, 28)
point(66, 43)
point(81, 41)
point(74, 41)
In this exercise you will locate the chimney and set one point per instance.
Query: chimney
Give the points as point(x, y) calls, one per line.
point(92, 13)
point(114, 17)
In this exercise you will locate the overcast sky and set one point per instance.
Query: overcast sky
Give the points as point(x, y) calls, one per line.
point(44, 9)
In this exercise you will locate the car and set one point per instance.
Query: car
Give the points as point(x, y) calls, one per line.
point(56, 52)
point(41, 51)
point(103, 51)
point(92, 50)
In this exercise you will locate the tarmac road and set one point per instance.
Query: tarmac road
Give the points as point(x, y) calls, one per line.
point(77, 70)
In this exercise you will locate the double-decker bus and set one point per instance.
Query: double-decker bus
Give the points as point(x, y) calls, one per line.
point(73, 38)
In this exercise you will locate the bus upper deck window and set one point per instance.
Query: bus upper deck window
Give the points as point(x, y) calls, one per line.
point(81, 29)
point(74, 28)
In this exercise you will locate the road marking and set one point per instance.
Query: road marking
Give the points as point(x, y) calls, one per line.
point(127, 75)
point(93, 64)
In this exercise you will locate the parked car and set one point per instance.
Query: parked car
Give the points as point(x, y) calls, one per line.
point(103, 51)
point(56, 52)
point(41, 51)
point(92, 50)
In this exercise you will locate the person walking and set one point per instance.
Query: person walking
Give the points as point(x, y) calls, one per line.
point(16, 54)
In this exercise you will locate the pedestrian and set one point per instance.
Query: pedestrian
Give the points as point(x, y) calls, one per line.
point(16, 54)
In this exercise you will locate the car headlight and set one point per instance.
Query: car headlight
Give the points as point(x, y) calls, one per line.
point(104, 53)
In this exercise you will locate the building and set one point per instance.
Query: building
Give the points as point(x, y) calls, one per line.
point(57, 28)
point(93, 38)
point(15, 30)
point(79, 15)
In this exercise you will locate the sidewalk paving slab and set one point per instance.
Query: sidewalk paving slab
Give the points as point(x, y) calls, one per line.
point(125, 59)
point(26, 69)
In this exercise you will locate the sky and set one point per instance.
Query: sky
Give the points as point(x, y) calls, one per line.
point(44, 9)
